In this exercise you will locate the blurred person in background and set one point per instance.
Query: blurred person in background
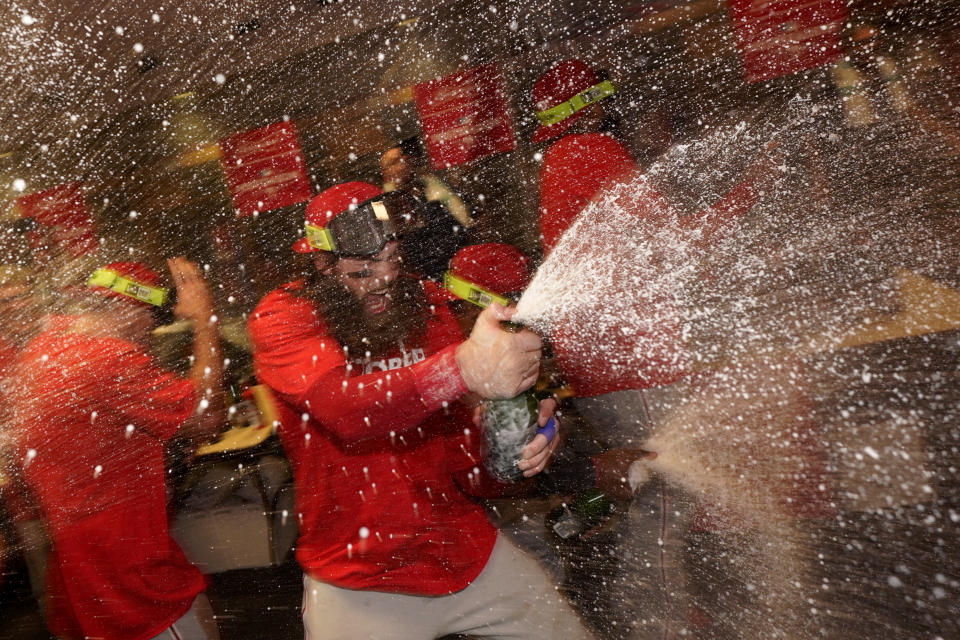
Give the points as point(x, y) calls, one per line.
point(585, 157)
point(91, 414)
point(445, 217)
point(404, 168)
point(375, 378)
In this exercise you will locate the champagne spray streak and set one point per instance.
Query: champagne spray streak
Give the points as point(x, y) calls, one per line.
point(760, 430)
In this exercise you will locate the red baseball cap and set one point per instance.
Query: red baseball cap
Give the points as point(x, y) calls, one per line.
point(563, 81)
point(134, 282)
point(496, 267)
point(329, 203)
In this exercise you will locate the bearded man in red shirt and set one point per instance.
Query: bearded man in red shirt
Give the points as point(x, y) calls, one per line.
point(373, 373)
point(91, 411)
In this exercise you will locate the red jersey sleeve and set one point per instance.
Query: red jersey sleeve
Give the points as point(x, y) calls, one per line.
point(296, 357)
point(143, 394)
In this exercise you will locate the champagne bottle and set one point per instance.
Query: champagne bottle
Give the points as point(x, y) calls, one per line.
point(508, 426)
point(584, 511)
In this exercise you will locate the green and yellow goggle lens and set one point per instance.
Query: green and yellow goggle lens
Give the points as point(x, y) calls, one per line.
point(320, 238)
point(108, 279)
point(585, 98)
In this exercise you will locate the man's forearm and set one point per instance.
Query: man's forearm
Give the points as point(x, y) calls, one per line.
point(207, 377)
point(376, 404)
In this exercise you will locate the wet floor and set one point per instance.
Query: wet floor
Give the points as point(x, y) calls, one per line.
point(250, 604)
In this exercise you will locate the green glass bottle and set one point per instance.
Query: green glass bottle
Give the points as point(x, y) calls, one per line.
point(508, 425)
point(584, 511)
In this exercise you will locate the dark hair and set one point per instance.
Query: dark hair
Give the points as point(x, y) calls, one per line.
point(164, 315)
point(412, 147)
point(612, 111)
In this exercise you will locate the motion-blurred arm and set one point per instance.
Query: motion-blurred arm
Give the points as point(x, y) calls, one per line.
point(195, 303)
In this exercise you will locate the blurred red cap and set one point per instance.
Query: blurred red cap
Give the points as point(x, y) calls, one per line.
point(136, 271)
point(564, 80)
point(496, 267)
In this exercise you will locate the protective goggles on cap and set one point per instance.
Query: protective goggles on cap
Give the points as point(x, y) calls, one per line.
point(585, 98)
point(108, 279)
point(362, 230)
point(466, 290)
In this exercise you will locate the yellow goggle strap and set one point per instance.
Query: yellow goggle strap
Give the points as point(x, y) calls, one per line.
point(320, 238)
point(585, 98)
point(470, 292)
point(113, 281)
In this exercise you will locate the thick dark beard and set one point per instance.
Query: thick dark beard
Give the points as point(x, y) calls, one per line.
point(346, 318)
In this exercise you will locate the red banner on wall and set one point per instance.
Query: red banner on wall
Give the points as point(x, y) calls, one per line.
point(265, 169)
point(465, 116)
point(62, 219)
point(779, 37)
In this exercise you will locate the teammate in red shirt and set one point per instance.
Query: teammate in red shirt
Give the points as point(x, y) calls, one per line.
point(372, 368)
point(576, 169)
point(92, 411)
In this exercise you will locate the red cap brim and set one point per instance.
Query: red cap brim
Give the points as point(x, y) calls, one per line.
point(555, 130)
point(303, 246)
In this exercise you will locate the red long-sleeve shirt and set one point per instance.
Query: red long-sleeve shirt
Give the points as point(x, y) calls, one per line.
point(91, 415)
point(383, 453)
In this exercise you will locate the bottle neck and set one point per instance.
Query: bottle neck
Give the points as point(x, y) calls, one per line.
point(512, 327)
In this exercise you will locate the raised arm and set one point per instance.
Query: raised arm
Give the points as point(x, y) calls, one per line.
point(195, 303)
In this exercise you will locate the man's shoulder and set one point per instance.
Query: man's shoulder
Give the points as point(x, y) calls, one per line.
point(79, 353)
point(282, 294)
point(441, 318)
point(434, 187)
point(66, 340)
point(584, 144)
point(434, 292)
point(285, 299)
point(284, 313)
